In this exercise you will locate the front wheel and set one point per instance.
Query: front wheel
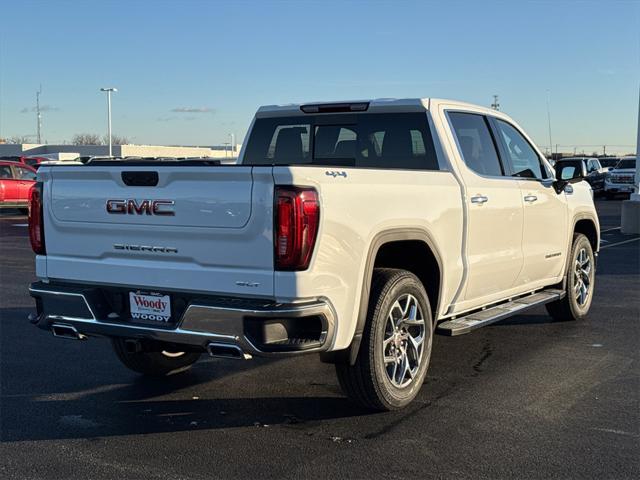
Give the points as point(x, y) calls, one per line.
point(159, 363)
point(580, 282)
point(396, 344)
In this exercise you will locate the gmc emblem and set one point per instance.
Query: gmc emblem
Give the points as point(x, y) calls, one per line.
point(144, 207)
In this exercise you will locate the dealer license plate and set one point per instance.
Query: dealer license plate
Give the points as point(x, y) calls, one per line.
point(149, 306)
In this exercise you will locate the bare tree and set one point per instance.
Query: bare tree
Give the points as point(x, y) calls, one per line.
point(20, 139)
point(116, 140)
point(86, 139)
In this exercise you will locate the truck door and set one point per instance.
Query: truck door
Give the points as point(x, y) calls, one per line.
point(544, 239)
point(494, 212)
point(25, 179)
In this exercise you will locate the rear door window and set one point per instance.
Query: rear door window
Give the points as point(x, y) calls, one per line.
point(476, 144)
point(593, 166)
point(5, 172)
point(24, 174)
point(375, 140)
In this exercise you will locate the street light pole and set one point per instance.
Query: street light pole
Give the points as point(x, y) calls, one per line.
point(109, 90)
point(630, 217)
point(39, 115)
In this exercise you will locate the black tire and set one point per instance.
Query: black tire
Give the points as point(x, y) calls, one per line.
point(572, 307)
point(368, 382)
point(155, 363)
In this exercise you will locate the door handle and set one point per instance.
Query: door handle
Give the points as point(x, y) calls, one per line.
point(479, 199)
point(530, 198)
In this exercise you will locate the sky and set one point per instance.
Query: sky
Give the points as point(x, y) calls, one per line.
point(192, 72)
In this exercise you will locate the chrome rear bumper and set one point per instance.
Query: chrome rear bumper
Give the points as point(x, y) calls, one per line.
point(218, 320)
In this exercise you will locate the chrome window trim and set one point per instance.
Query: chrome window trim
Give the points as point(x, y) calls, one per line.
point(550, 170)
point(455, 138)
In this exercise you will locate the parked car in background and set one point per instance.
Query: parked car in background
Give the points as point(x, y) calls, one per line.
point(620, 179)
point(595, 172)
point(15, 184)
point(12, 158)
point(36, 160)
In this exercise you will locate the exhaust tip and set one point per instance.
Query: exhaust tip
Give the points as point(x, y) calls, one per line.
point(225, 350)
point(66, 331)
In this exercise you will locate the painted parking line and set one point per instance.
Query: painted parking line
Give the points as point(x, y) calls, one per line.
point(609, 229)
point(621, 243)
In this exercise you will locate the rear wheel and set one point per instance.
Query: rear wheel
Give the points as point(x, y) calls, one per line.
point(580, 282)
point(396, 344)
point(158, 363)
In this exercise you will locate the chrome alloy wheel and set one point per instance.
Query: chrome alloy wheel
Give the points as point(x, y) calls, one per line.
point(582, 277)
point(404, 338)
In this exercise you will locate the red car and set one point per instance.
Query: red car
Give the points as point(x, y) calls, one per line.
point(34, 161)
point(16, 181)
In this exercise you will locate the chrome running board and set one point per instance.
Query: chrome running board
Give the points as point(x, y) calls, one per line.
point(481, 318)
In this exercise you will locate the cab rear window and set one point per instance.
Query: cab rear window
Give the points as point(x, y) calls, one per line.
point(372, 140)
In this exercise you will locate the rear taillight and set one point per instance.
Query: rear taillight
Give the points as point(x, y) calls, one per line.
point(297, 214)
point(36, 228)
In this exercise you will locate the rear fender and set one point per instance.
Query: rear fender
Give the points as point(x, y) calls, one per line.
point(401, 234)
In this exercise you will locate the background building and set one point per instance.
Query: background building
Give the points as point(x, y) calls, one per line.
point(220, 152)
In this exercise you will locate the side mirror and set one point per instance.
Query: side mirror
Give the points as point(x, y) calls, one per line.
point(569, 171)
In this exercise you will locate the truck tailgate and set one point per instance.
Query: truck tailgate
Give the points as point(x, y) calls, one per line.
point(218, 239)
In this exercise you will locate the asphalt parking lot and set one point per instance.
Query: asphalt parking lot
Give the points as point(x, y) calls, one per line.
point(527, 397)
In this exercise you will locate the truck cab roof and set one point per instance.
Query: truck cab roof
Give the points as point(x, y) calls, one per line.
point(378, 105)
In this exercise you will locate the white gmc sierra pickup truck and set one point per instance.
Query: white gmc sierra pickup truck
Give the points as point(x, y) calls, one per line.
point(355, 230)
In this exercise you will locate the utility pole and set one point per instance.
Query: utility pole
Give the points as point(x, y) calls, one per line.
point(604, 150)
point(39, 116)
point(495, 105)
